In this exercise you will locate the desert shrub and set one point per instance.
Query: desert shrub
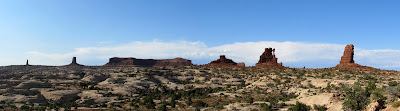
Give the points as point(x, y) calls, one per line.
point(250, 100)
point(163, 107)
point(189, 101)
point(200, 103)
point(319, 108)
point(347, 77)
point(396, 104)
point(375, 93)
point(394, 91)
point(149, 103)
point(173, 103)
point(266, 107)
point(299, 107)
point(356, 98)
point(392, 83)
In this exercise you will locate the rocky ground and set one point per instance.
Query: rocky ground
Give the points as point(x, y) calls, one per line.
point(197, 88)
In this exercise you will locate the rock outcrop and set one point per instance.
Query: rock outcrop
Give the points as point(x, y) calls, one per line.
point(268, 59)
point(27, 63)
point(61, 95)
point(347, 58)
point(375, 106)
point(116, 61)
point(348, 55)
point(224, 62)
point(74, 63)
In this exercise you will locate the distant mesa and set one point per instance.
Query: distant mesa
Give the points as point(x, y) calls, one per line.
point(224, 62)
point(268, 59)
point(74, 63)
point(116, 61)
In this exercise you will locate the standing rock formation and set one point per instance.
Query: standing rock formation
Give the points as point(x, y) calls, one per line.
point(268, 59)
point(224, 62)
point(74, 62)
point(347, 58)
point(348, 55)
point(27, 63)
point(116, 61)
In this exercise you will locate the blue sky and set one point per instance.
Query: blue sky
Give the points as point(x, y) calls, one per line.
point(59, 27)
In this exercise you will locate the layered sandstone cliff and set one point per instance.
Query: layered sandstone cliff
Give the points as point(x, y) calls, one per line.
point(116, 61)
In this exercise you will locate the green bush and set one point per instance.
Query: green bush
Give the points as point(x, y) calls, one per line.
point(392, 83)
point(396, 104)
point(162, 108)
point(356, 98)
point(250, 100)
point(347, 77)
point(200, 103)
point(266, 107)
point(319, 108)
point(299, 107)
point(149, 103)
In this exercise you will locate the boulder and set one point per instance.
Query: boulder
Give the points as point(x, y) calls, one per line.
point(375, 106)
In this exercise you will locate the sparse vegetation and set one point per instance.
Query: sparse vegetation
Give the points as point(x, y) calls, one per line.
point(299, 107)
point(195, 88)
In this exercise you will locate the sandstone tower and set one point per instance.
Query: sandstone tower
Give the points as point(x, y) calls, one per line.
point(74, 63)
point(347, 58)
point(268, 59)
point(348, 55)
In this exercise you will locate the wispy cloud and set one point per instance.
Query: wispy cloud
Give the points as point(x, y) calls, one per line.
point(294, 54)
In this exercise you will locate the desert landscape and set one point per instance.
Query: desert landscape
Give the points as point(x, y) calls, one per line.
point(177, 84)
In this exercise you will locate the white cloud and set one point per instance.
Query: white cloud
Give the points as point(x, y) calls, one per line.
point(294, 54)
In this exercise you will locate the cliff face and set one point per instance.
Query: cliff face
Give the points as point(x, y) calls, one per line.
point(224, 62)
point(268, 59)
point(115, 61)
point(173, 62)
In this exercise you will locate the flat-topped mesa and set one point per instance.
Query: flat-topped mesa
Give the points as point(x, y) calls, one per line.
point(268, 59)
point(224, 62)
point(74, 63)
point(116, 61)
point(176, 62)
